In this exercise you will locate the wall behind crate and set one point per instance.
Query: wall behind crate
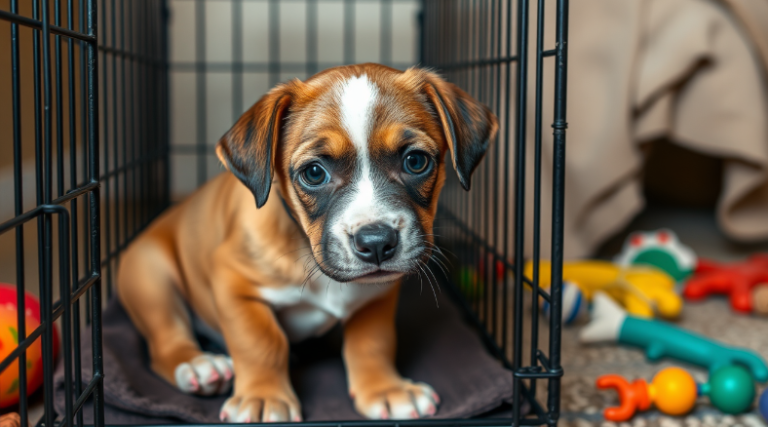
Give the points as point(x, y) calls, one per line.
point(225, 54)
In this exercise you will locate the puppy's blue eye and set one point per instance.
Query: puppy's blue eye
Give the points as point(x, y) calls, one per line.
point(315, 175)
point(416, 163)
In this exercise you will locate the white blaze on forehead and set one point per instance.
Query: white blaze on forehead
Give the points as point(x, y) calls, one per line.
point(357, 99)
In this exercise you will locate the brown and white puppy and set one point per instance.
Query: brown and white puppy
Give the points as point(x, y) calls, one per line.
point(354, 160)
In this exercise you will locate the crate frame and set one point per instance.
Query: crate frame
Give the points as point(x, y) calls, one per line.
point(468, 54)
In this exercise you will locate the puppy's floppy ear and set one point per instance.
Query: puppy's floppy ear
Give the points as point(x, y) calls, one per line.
point(248, 149)
point(468, 125)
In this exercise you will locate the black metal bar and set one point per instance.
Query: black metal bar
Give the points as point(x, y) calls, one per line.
point(74, 203)
point(274, 42)
point(537, 187)
point(166, 106)
point(558, 206)
point(38, 25)
point(105, 115)
point(505, 186)
point(500, 139)
point(200, 73)
point(18, 193)
point(115, 137)
point(46, 268)
point(95, 246)
point(385, 54)
point(312, 38)
point(135, 132)
point(59, 103)
point(349, 31)
point(84, 126)
point(520, 143)
point(124, 110)
point(144, 117)
point(237, 59)
point(66, 322)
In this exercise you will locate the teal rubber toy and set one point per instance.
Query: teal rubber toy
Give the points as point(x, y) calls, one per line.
point(730, 389)
point(610, 323)
point(660, 339)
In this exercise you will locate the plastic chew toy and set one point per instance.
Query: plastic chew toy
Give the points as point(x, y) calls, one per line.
point(9, 340)
point(673, 391)
point(736, 280)
point(661, 249)
point(730, 389)
point(574, 305)
point(610, 323)
point(762, 405)
point(642, 290)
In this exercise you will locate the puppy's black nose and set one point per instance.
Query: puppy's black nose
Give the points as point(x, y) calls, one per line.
point(375, 243)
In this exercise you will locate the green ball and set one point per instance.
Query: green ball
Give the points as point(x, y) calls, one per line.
point(731, 389)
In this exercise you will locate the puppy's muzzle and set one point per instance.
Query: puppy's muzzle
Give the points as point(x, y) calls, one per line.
point(375, 243)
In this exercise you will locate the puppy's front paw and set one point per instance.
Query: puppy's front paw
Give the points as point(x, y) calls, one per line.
point(206, 375)
point(404, 400)
point(256, 408)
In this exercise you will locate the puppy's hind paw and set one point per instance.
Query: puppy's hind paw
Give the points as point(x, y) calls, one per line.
point(206, 375)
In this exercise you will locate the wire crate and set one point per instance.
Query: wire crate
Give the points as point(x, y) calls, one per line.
point(88, 122)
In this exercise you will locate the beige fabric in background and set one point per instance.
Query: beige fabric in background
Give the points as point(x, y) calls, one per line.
point(692, 71)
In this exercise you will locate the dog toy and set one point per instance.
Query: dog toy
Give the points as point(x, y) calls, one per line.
point(737, 280)
point(673, 391)
point(610, 323)
point(574, 305)
point(641, 290)
point(762, 405)
point(9, 340)
point(661, 249)
point(731, 389)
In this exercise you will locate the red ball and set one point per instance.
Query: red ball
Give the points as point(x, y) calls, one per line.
point(9, 378)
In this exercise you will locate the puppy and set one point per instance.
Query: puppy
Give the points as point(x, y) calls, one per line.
point(345, 168)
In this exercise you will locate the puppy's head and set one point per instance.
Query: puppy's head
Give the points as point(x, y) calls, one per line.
point(357, 153)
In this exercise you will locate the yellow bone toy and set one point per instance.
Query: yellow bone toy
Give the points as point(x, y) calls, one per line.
point(641, 290)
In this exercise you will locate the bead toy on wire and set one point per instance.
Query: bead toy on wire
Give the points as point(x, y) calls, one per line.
point(674, 392)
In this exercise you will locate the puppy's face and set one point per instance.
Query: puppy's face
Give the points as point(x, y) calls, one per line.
point(357, 153)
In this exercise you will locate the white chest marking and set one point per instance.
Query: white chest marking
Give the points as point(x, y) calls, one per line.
point(321, 304)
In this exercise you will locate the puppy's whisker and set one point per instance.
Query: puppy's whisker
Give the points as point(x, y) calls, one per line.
point(431, 286)
point(434, 277)
point(440, 265)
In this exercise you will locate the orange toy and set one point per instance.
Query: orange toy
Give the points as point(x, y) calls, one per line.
point(9, 340)
point(672, 390)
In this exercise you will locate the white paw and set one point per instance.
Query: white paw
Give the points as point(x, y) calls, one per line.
point(404, 402)
point(206, 375)
point(255, 409)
